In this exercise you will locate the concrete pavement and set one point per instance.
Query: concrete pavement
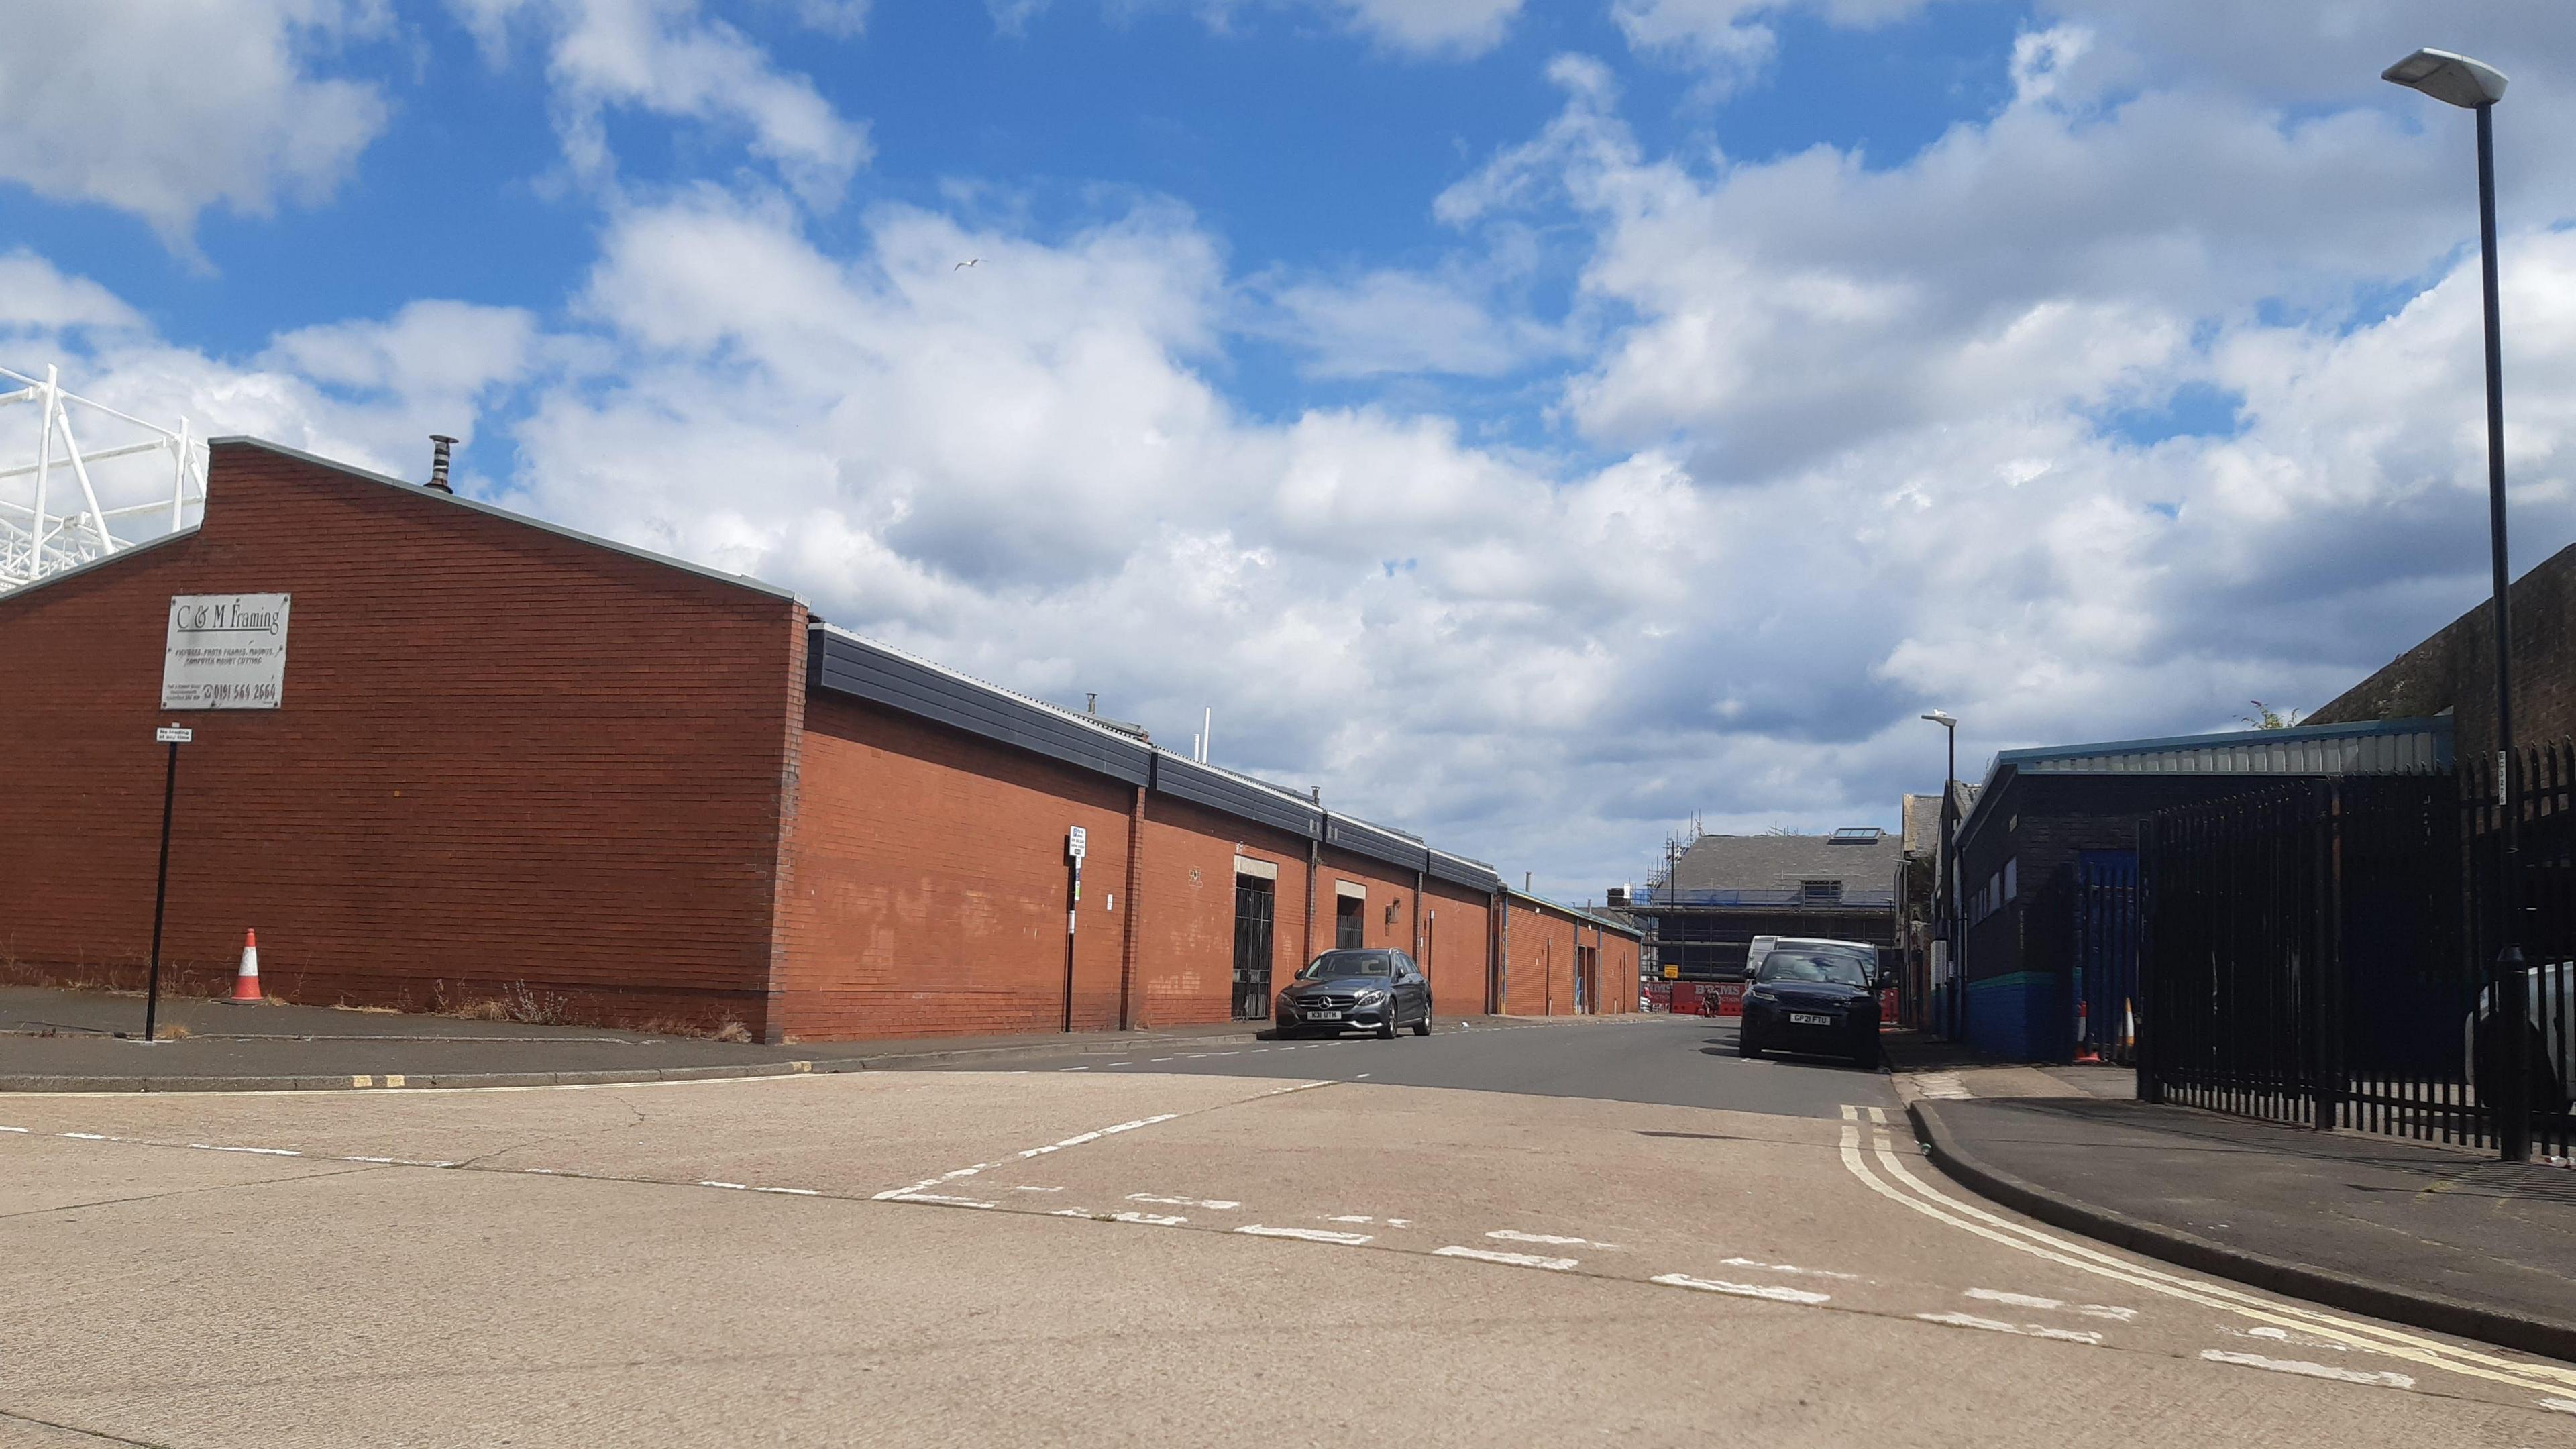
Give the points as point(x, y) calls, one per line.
point(1122, 1257)
point(2445, 1238)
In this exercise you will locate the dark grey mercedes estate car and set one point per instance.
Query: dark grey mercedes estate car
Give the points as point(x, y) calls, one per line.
point(1343, 990)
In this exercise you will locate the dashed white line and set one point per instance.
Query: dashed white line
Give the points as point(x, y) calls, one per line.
point(2562, 1406)
point(1516, 1260)
point(1507, 1235)
point(1160, 1220)
point(2025, 1330)
point(2308, 1370)
point(2054, 1305)
point(101, 1137)
point(2283, 1335)
point(1217, 1204)
point(736, 1186)
point(1159, 1059)
point(1073, 1069)
point(211, 1147)
point(790, 1191)
point(1770, 1291)
point(1310, 1235)
point(1790, 1268)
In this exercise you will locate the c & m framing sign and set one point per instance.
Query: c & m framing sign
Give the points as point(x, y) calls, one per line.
point(225, 651)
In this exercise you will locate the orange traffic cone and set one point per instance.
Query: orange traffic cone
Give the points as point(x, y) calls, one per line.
point(2085, 1052)
point(246, 983)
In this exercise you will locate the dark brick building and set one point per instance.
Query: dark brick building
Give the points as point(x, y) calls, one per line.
point(517, 764)
point(2049, 825)
point(2453, 672)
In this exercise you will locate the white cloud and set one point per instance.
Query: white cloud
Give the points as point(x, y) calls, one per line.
point(166, 110)
point(664, 58)
point(1437, 28)
point(1732, 40)
point(1395, 322)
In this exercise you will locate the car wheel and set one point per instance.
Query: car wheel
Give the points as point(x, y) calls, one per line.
point(1423, 1027)
point(1386, 1029)
point(1745, 1045)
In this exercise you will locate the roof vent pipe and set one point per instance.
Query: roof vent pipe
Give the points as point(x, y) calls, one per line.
point(439, 444)
point(1090, 703)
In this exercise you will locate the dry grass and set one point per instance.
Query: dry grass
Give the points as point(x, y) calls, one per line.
point(484, 1010)
point(733, 1031)
point(176, 1031)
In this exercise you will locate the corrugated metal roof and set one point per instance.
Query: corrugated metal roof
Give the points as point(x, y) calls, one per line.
point(2379, 747)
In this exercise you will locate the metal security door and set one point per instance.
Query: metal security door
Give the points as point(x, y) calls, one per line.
point(1254, 899)
point(2106, 954)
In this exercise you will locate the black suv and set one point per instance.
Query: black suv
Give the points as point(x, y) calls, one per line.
point(1813, 998)
point(1371, 990)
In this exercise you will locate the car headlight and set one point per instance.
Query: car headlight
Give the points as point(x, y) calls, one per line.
point(1372, 997)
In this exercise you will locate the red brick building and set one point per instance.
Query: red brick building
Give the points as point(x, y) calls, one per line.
point(516, 764)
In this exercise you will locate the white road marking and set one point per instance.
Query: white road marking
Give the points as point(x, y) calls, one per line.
point(1036, 1189)
point(1944, 1087)
point(736, 1186)
point(1311, 1235)
point(2283, 1335)
point(2563, 1406)
point(1073, 1069)
point(1517, 1260)
point(1159, 1059)
point(1364, 1076)
point(2026, 1330)
point(1350, 1218)
point(2054, 1305)
point(2308, 1370)
point(1770, 1291)
point(1506, 1235)
point(210, 1147)
point(790, 1191)
point(1122, 1064)
point(1908, 1190)
point(1217, 1203)
point(13, 1129)
point(1790, 1268)
point(1155, 1219)
point(100, 1137)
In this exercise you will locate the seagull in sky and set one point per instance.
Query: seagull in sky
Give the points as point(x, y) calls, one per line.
point(970, 261)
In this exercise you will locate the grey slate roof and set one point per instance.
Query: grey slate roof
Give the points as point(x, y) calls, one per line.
point(1772, 862)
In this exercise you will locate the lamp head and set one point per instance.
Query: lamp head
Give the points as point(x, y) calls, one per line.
point(1942, 718)
point(2448, 77)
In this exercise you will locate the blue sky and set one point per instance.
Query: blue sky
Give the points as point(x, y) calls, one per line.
point(1539, 424)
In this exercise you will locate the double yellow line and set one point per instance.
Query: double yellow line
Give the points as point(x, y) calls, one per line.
point(1892, 1179)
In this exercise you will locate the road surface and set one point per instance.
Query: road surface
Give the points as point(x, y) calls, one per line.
point(1602, 1232)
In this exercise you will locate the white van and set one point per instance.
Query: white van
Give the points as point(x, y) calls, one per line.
point(1762, 946)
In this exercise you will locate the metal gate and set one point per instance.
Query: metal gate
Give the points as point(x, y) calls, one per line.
point(2106, 954)
point(1254, 899)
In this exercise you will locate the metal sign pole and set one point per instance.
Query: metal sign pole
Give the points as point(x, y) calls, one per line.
point(174, 737)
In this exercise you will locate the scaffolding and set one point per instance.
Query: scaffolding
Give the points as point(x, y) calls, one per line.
point(62, 509)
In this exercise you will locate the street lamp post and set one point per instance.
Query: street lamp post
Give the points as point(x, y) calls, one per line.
point(1949, 913)
point(2476, 86)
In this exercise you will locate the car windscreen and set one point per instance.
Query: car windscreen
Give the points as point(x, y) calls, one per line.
point(1839, 968)
point(1348, 963)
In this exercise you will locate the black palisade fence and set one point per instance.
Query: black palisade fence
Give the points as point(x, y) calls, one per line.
point(2323, 953)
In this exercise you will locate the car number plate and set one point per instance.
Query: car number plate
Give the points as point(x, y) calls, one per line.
point(1323, 1016)
point(1800, 1018)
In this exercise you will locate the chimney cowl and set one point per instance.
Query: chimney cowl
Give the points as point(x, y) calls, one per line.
point(439, 445)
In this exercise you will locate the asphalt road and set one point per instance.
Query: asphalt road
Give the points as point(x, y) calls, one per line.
point(1249, 1253)
point(1678, 1061)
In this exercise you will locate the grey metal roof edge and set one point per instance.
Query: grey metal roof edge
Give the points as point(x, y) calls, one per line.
point(2436, 724)
point(129, 551)
point(1280, 793)
point(645, 555)
point(2440, 724)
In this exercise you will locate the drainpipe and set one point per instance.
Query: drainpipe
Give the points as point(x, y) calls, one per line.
point(1314, 866)
point(1129, 932)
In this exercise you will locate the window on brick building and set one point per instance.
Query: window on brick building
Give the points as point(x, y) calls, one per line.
point(1349, 928)
point(1820, 893)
